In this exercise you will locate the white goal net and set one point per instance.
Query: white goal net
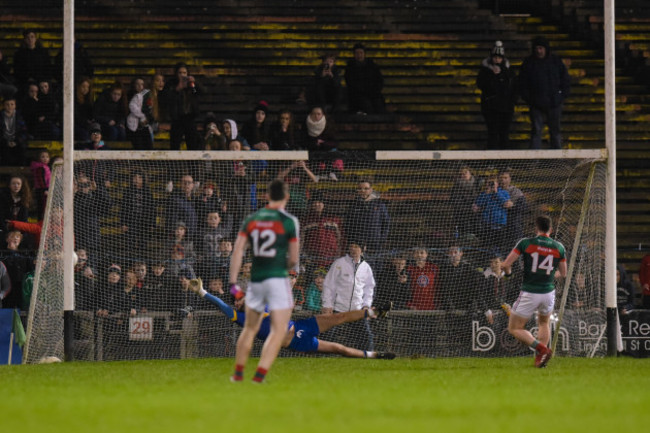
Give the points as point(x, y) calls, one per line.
point(434, 226)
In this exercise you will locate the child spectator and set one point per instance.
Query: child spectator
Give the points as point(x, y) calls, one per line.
point(394, 284)
point(137, 212)
point(41, 176)
point(158, 288)
point(315, 290)
point(18, 264)
point(107, 290)
point(110, 111)
point(83, 109)
point(283, 133)
point(15, 201)
point(424, 280)
point(182, 250)
point(13, 135)
point(257, 130)
point(49, 116)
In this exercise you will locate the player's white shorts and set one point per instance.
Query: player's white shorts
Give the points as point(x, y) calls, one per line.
point(527, 303)
point(274, 292)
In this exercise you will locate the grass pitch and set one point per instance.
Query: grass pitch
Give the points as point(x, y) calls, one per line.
point(330, 395)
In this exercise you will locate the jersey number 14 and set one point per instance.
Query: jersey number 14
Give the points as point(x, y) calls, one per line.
point(547, 263)
point(263, 242)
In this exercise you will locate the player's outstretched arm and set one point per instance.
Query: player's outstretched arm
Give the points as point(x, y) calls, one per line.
point(196, 285)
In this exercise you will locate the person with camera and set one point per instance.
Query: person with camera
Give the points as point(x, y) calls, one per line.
point(493, 203)
point(182, 94)
point(327, 84)
point(213, 138)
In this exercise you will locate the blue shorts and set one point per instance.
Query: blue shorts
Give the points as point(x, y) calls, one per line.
point(305, 333)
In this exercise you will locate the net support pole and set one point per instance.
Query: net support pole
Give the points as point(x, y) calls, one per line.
point(574, 255)
point(610, 140)
point(68, 178)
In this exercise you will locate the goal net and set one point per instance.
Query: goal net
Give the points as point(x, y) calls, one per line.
point(434, 226)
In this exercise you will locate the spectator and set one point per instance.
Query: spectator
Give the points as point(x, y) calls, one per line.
point(327, 84)
point(644, 278)
point(30, 110)
point(624, 291)
point(107, 289)
point(181, 251)
point(7, 88)
point(367, 219)
point(84, 116)
point(424, 277)
point(495, 290)
point(5, 283)
point(457, 281)
point(298, 292)
point(159, 110)
point(319, 132)
point(493, 204)
point(31, 61)
point(213, 138)
point(110, 111)
point(297, 190)
point(18, 264)
point(129, 300)
point(159, 287)
point(181, 208)
point(365, 82)
point(208, 202)
point(257, 130)
point(98, 171)
point(15, 201)
point(83, 65)
point(394, 285)
point(544, 83)
point(140, 119)
point(232, 134)
point(517, 212)
point(212, 235)
point(321, 233)
point(497, 84)
point(182, 93)
point(84, 280)
point(283, 133)
point(137, 212)
point(41, 176)
point(90, 204)
point(462, 197)
point(13, 135)
point(49, 114)
point(349, 285)
point(182, 301)
point(315, 291)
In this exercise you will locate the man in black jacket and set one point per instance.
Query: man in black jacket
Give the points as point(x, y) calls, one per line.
point(544, 83)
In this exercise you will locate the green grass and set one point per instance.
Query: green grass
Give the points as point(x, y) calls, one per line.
point(329, 395)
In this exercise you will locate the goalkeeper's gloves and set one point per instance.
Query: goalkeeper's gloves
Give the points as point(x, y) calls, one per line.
point(236, 291)
point(196, 285)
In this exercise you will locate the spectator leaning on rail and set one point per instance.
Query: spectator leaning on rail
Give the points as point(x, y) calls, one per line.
point(544, 84)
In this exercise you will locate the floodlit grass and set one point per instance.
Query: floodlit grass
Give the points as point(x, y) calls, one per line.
point(329, 395)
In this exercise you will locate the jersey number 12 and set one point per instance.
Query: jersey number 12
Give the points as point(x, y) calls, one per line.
point(263, 242)
point(547, 263)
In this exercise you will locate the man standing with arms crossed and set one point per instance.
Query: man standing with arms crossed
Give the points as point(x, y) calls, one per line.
point(272, 234)
point(542, 257)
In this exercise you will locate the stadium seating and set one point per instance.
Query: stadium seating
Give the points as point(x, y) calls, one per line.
point(429, 52)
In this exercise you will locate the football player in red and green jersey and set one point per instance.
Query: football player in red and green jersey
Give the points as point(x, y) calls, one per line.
point(542, 257)
point(272, 234)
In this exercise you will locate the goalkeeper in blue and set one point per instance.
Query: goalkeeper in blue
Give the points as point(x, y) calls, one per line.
point(302, 335)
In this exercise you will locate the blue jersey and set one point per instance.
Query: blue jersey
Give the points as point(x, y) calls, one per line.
point(305, 331)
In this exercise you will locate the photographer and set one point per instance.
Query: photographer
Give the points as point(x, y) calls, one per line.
point(183, 103)
point(213, 139)
point(327, 84)
point(493, 204)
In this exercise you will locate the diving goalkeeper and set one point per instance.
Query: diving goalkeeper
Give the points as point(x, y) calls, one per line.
point(302, 335)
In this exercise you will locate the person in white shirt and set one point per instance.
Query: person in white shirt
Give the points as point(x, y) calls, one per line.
point(349, 286)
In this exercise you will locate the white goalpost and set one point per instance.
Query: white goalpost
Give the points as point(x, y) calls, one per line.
point(147, 222)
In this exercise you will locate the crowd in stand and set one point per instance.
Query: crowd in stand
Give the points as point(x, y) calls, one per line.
point(202, 211)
